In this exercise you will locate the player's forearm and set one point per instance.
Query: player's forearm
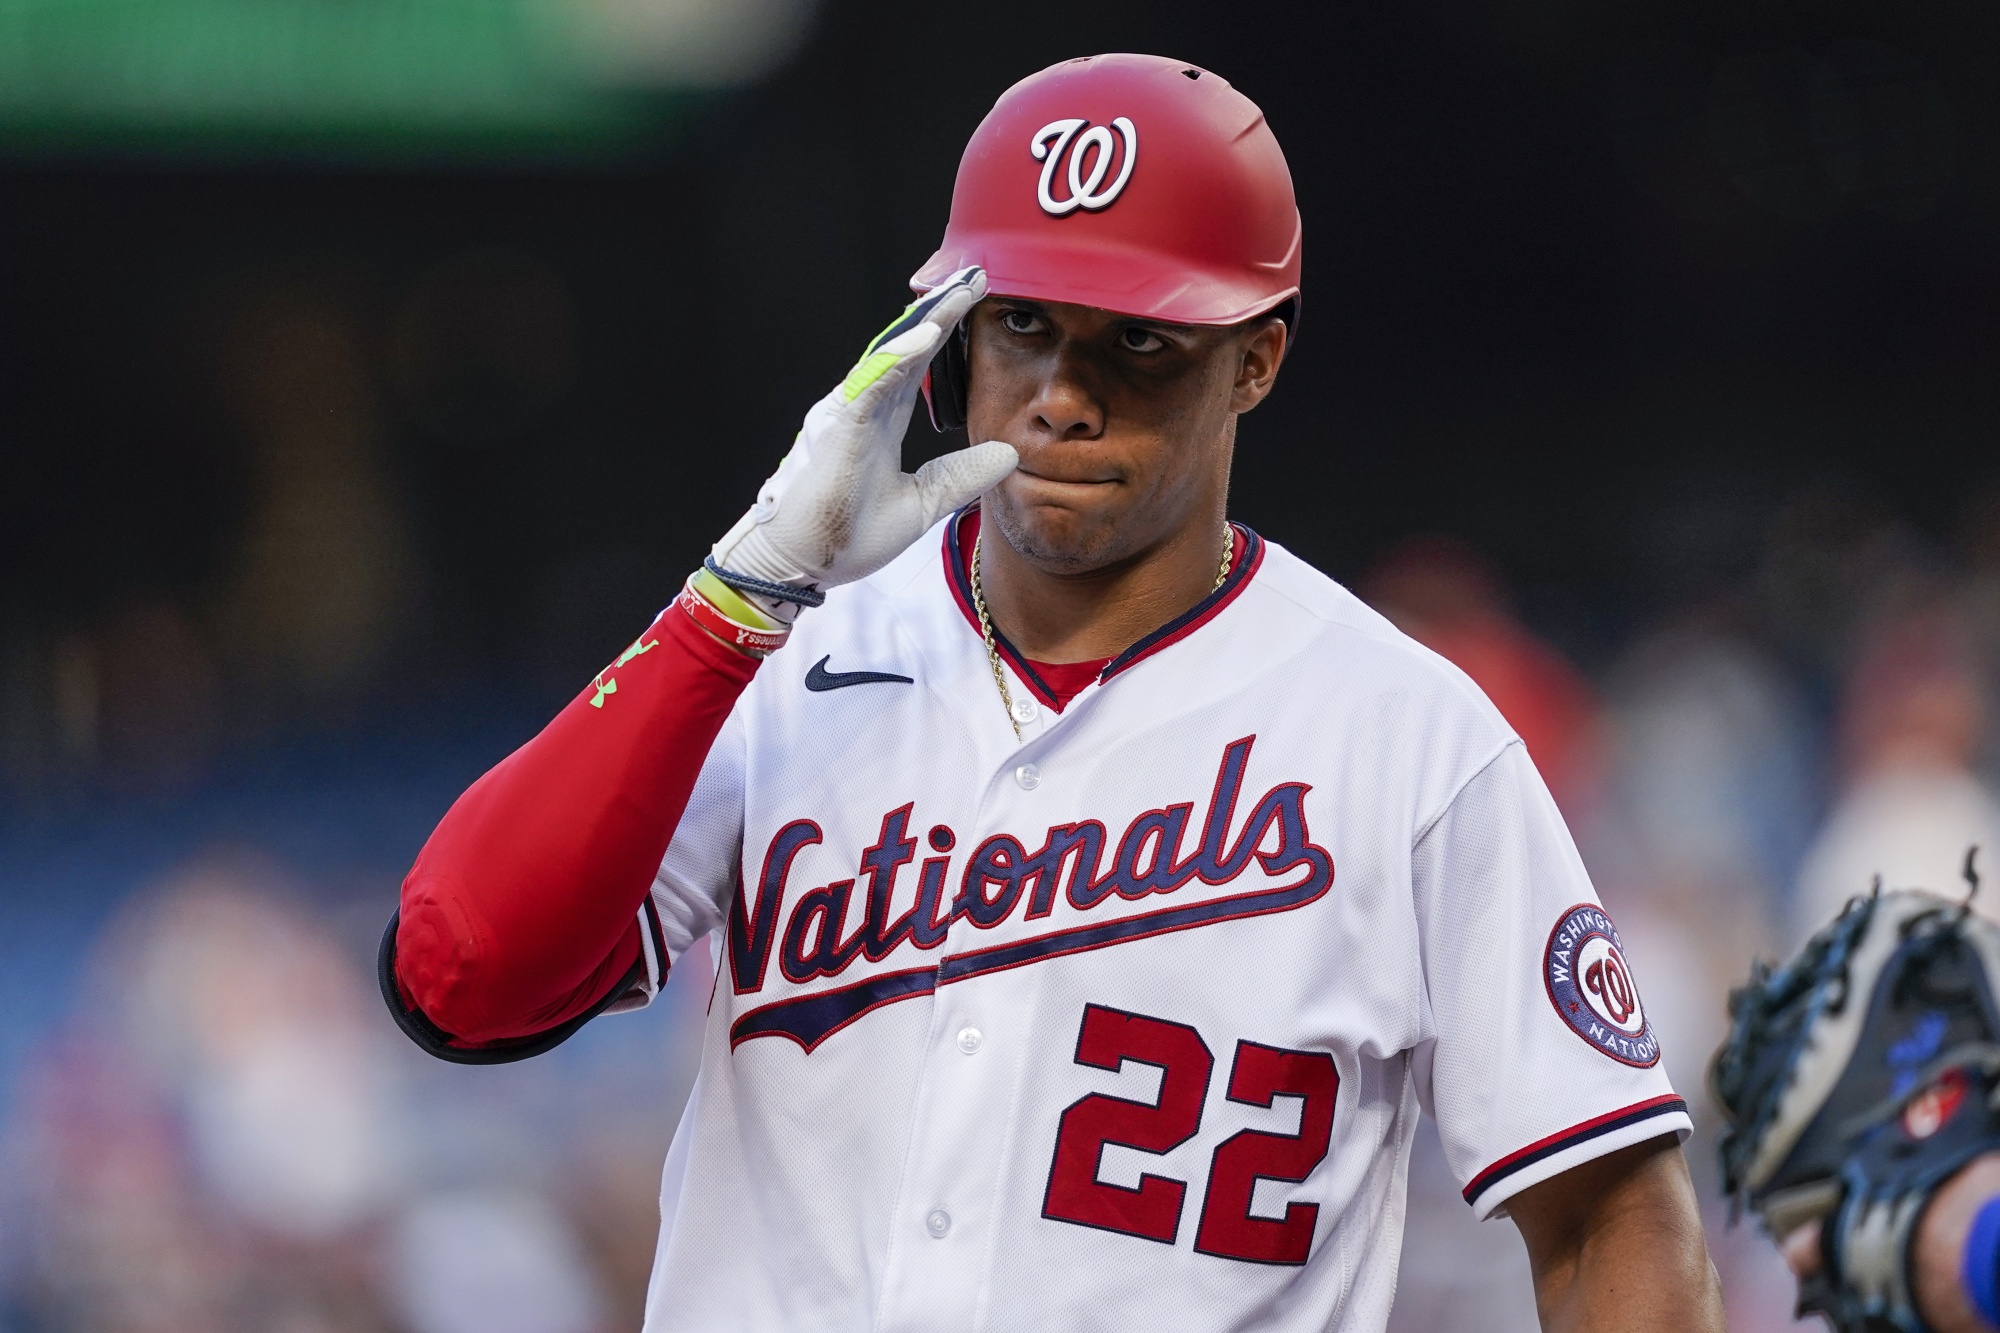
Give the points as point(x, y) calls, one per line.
point(1617, 1244)
point(1651, 1275)
point(1949, 1258)
point(520, 913)
point(521, 910)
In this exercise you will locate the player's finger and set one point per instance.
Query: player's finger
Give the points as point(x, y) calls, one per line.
point(893, 363)
point(899, 353)
point(947, 303)
point(957, 478)
point(943, 305)
point(1801, 1250)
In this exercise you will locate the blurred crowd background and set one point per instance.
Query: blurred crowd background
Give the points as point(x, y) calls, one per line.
point(370, 369)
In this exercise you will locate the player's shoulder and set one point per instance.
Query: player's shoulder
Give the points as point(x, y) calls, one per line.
point(920, 566)
point(1347, 639)
point(1382, 694)
point(893, 593)
point(1317, 594)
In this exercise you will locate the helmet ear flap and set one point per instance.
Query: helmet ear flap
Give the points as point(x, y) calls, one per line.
point(947, 382)
point(1292, 311)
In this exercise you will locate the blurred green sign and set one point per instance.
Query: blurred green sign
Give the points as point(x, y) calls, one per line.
point(371, 77)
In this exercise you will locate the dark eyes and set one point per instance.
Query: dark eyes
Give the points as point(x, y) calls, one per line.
point(1132, 338)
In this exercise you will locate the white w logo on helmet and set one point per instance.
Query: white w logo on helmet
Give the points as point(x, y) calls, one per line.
point(1049, 145)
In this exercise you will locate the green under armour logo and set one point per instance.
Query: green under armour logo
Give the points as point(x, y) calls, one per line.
point(605, 687)
point(637, 649)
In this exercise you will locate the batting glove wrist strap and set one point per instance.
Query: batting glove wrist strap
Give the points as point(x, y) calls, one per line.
point(840, 506)
point(777, 592)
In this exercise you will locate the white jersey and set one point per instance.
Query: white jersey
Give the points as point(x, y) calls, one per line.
point(1125, 1023)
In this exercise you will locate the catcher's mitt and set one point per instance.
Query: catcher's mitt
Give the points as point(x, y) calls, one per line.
point(1856, 1079)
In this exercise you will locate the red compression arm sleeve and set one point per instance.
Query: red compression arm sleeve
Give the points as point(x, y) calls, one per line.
point(522, 909)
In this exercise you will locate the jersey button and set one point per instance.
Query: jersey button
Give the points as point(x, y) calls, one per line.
point(1028, 777)
point(1024, 710)
point(938, 1223)
point(969, 1040)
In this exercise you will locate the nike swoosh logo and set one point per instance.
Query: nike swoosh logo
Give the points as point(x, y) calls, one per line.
point(819, 678)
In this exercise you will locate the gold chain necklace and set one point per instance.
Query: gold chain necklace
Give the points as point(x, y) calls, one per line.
point(986, 621)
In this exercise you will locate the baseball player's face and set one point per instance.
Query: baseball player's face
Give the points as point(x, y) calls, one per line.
point(1124, 427)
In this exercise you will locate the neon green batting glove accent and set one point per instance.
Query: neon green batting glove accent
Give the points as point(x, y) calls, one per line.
point(874, 364)
point(866, 371)
point(840, 506)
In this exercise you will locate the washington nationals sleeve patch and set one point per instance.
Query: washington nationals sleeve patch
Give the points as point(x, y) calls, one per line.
point(1591, 986)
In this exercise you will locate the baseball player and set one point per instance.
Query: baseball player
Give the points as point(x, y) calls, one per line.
point(1095, 892)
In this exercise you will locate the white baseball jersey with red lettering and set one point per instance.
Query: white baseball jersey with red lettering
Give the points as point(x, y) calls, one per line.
point(1124, 1023)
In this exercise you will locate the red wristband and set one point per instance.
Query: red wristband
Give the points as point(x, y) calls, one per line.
point(743, 638)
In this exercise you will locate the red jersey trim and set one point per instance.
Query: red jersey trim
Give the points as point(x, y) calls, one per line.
point(1069, 679)
point(1541, 1149)
point(963, 530)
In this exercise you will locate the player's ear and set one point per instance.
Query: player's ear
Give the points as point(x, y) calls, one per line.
point(1261, 349)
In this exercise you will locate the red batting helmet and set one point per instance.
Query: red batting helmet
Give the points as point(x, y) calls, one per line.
point(1131, 183)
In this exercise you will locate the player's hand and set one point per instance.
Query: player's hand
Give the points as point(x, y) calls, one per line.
point(1936, 1253)
point(840, 506)
point(1842, 1149)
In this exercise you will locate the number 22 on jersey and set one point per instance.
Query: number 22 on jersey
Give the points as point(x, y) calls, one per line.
point(1258, 1076)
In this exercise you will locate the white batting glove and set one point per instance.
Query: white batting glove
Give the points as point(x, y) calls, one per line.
point(840, 506)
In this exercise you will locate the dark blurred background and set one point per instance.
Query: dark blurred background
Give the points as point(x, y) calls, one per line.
point(369, 371)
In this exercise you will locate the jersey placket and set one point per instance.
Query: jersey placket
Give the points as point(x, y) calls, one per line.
point(1031, 717)
point(963, 1145)
point(967, 1111)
